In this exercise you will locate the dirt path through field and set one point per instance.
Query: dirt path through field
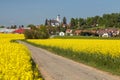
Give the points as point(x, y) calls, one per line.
point(54, 67)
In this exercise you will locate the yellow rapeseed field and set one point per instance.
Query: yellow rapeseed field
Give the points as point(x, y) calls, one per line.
point(92, 46)
point(15, 59)
point(98, 52)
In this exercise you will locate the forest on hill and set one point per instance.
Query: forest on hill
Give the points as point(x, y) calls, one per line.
point(104, 21)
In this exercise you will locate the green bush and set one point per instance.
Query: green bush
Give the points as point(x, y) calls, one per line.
point(37, 33)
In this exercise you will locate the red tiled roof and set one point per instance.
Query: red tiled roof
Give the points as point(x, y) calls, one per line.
point(19, 31)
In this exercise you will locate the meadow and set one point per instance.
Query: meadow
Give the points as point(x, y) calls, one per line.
point(15, 60)
point(86, 37)
point(101, 53)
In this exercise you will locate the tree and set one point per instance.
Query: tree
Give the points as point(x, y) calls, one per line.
point(46, 22)
point(76, 23)
point(72, 23)
point(118, 20)
point(13, 26)
point(81, 23)
point(22, 26)
point(44, 32)
point(2, 26)
point(37, 33)
point(32, 26)
point(64, 20)
point(100, 21)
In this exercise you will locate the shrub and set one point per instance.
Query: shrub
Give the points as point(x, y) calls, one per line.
point(88, 34)
point(37, 33)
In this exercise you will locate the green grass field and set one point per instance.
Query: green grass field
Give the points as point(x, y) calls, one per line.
point(85, 37)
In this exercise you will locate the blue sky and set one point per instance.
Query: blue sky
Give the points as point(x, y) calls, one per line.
point(36, 11)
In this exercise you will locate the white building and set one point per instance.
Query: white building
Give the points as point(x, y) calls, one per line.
point(55, 22)
point(61, 34)
point(5, 30)
point(58, 18)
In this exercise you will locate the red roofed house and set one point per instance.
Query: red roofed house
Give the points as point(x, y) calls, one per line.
point(68, 32)
point(19, 31)
point(77, 32)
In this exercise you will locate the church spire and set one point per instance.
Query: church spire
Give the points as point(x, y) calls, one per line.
point(58, 18)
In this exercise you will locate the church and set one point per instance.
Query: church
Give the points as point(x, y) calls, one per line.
point(53, 22)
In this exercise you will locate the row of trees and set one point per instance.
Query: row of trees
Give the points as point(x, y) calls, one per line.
point(13, 26)
point(2, 26)
point(104, 21)
point(107, 20)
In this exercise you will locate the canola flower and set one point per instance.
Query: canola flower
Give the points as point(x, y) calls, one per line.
point(111, 47)
point(15, 60)
point(11, 36)
point(101, 52)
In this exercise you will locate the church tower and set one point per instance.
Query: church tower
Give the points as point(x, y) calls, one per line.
point(58, 18)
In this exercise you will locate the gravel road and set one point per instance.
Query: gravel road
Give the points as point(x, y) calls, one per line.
point(54, 67)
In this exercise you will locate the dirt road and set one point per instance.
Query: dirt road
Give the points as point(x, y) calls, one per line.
point(54, 67)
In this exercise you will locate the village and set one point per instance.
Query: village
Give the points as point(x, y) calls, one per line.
point(56, 27)
point(108, 32)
